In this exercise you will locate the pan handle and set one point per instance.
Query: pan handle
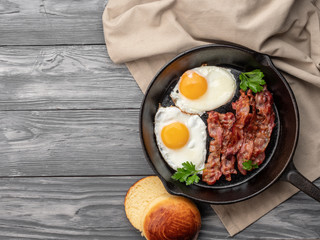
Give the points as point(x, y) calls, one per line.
point(293, 176)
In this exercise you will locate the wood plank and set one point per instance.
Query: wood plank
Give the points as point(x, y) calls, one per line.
point(92, 208)
point(50, 22)
point(64, 77)
point(71, 142)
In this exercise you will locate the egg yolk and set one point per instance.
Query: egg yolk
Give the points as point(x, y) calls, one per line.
point(175, 135)
point(192, 85)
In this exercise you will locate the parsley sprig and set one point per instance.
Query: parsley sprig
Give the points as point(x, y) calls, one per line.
point(187, 173)
point(248, 165)
point(252, 80)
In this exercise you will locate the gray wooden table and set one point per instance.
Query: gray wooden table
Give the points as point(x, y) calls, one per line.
point(69, 141)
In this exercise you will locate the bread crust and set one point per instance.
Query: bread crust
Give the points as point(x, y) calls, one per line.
point(172, 217)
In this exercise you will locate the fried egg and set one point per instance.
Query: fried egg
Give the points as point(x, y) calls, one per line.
point(180, 137)
point(203, 89)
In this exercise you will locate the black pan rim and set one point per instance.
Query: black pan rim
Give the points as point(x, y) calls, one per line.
point(271, 65)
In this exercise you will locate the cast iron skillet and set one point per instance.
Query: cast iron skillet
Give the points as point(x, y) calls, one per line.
point(278, 163)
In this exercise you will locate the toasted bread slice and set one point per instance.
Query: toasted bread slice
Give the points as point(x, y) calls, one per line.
point(139, 197)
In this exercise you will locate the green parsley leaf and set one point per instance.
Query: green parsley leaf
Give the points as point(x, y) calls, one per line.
point(248, 165)
point(187, 173)
point(192, 179)
point(252, 80)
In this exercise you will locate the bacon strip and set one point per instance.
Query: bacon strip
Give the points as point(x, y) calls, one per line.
point(246, 149)
point(241, 137)
point(227, 163)
point(265, 124)
point(242, 107)
point(258, 132)
point(219, 128)
point(212, 172)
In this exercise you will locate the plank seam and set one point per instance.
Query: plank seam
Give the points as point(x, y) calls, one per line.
point(54, 45)
point(76, 176)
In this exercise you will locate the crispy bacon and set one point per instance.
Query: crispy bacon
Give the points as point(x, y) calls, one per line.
point(212, 171)
point(246, 149)
point(219, 128)
point(244, 136)
point(258, 131)
point(242, 108)
point(265, 124)
point(227, 163)
point(226, 120)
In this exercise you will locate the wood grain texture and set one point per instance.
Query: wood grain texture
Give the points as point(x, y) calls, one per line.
point(64, 77)
point(50, 22)
point(92, 208)
point(71, 142)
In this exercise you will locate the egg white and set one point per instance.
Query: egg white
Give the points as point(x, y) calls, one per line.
point(195, 149)
point(221, 89)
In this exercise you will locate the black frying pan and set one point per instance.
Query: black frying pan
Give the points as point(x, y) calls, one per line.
point(279, 153)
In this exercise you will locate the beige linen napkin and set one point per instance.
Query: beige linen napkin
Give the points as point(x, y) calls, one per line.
point(145, 34)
